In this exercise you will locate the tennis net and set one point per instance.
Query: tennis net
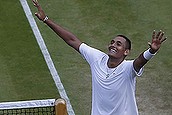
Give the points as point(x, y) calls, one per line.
point(34, 107)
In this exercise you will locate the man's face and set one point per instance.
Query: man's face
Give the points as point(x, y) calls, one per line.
point(117, 47)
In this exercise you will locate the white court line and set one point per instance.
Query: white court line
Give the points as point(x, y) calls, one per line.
point(46, 55)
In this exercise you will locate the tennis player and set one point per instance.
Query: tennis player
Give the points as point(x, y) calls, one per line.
point(113, 77)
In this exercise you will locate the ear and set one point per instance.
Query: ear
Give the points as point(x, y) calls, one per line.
point(127, 51)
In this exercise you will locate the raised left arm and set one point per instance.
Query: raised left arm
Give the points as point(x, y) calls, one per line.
point(157, 39)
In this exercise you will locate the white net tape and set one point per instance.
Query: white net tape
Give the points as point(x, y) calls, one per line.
point(27, 104)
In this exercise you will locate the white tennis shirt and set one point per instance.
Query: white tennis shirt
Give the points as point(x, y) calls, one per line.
point(113, 89)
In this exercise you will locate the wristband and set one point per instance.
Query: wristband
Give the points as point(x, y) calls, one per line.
point(45, 19)
point(147, 55)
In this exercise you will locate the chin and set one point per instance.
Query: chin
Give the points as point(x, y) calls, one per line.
point(111, 55)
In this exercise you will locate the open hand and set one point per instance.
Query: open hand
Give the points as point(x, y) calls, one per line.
point(157, 39)
point(40, 14)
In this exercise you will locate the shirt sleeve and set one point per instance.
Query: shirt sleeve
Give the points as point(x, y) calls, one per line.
point(139, 73)
point(88, 53)
point(130, 68)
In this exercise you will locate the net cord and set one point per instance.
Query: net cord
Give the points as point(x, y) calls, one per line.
point(27, 104)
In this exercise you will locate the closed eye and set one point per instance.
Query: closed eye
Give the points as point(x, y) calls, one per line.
point(112, 42)
point(118, 43)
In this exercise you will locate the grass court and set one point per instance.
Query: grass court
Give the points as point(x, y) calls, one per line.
point(24, 74)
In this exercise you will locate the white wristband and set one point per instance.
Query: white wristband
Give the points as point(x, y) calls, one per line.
point(45, 19)
point(147, 55)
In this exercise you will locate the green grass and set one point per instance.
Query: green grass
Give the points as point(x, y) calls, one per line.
point(24, 74)
point(94, 22)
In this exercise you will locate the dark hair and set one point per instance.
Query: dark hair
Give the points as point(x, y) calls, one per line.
point(128, 42)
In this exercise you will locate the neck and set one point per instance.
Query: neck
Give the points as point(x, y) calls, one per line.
point(112, 62)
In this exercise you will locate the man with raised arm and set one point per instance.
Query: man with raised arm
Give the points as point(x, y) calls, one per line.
point(113, 77)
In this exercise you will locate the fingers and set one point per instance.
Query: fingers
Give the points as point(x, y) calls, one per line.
point(35, 3)
point(153, 35)
point(159, 36)
point(162, 40)
point(36, 14)
point(40, 14)
point(149, 44)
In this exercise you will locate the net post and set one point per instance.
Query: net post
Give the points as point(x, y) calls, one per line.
point(60, 107)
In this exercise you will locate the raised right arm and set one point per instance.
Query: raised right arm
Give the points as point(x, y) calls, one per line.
point(67, 36)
